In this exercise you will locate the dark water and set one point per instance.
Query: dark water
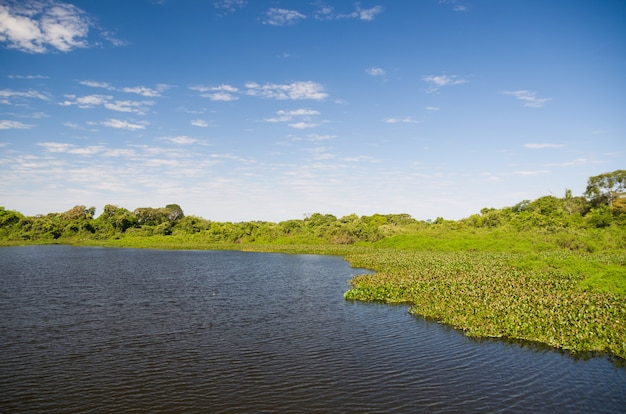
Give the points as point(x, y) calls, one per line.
point(112, 330)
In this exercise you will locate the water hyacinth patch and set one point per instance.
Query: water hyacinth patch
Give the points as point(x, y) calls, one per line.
point(495, 295)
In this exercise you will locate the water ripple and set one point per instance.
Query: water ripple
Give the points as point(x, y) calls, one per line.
point(105, 330)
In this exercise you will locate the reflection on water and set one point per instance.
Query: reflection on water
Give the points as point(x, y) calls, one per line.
point(115, 330)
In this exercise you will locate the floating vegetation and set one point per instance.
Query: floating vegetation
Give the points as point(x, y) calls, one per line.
point(499, 295)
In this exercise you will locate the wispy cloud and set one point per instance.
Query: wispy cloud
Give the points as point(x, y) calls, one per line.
point(533, 145)
point(455, 4)
point(143, 91)
point(107, 101)
point(181, 140)
point(436, 82)
point(6, 124)
point(360, 158)
point(61, 147)
point(298, 118)
point(282, 17)
point(303, 125)
point(230, 5)
point(294, 90)
point(199, 123)
point(286, 116)
point(139, 90)
point(368, 14)
point(121, 124)
point(40, 26)
point(405, 120)
point(374, 71)
point(95, 84)
point(27, 77)
point(224, 93)
point(8, 96)
point(531, 172)
point(529, 98)
point(325, 12)
point(576, 162)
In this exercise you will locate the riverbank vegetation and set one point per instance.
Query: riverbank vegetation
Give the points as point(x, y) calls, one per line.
point(551, 270)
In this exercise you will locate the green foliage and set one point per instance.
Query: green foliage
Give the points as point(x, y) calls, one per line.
point(540, 297)
point(606, 188)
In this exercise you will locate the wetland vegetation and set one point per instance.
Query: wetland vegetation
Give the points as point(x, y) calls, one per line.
point(551, 270)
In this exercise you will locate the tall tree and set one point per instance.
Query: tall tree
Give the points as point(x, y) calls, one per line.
point(606, 188)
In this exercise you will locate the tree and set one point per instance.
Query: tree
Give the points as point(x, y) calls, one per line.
point(606, 188)
point(174, 212)
point(80, 212)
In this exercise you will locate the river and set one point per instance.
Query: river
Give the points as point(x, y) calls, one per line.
point(103, 330)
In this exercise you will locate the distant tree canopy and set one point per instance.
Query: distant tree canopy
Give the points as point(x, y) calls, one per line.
point(603, 205)
point(606, 188)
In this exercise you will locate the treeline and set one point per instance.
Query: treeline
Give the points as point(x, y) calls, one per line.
point(603, 205)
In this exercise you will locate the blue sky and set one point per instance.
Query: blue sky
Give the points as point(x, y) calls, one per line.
point(271, 110)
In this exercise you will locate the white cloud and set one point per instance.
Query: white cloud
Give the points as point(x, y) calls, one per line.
point(95, 84)
point(221, 88)
point(529, 98)
point(199, 123)
point(299, 112)
point(369, 14)
point(143, 91)
point(406, 120)
point(455, 5)
point(288, 116)
point(303, 125)
point(294, 90)
point(27, 77)
point(220, 96)
point(135, 107)
point(432, 108)
point(360, 158)
point(575, 163)
point(532, 172)
point(230, 5)
point(8, 96)
point(316, 137)
point(282, 17)
point(120, 124)
point(180, 140)
point(60, 147)
point(320, 153)
point(374, 71)
point(224, 93)
point(39, 26)
point(325, 12)
point(5, 124)
point(139, 90)
point(438, 81)
point(541, 146)
point(90, 101)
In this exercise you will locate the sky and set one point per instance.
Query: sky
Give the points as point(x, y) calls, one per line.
point(241, 110)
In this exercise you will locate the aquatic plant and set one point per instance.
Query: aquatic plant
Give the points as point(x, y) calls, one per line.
point(499, 295)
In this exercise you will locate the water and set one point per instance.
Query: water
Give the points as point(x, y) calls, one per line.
point(123, 330)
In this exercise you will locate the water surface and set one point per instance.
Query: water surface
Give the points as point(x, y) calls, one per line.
point(126, 330)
